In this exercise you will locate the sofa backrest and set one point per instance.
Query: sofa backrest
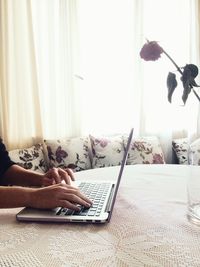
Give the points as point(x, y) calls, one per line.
point(86, 152)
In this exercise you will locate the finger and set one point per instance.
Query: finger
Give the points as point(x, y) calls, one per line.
point(48, 181)
point(64, 176)
point(81, 195)
point(70, 173)
point(69, 205)
point(77, 198)
point(55, 175)
point(72, 191)
point(84, 198)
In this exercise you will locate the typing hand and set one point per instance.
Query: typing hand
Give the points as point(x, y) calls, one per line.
point(57, 175)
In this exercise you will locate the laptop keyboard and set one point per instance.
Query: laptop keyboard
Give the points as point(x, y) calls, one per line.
point(97, 193)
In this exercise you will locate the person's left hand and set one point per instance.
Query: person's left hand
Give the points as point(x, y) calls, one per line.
point(57, 175)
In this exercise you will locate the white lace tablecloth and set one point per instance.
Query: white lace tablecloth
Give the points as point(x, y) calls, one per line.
point(153, 231)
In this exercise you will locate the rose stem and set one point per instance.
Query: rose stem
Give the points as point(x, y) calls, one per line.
point(180, 72)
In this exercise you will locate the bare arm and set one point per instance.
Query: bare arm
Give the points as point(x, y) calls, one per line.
point(12, 197)
point(17, 175)
point(58, 195)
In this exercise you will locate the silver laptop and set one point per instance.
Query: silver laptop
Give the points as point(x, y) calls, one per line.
point(102, 193)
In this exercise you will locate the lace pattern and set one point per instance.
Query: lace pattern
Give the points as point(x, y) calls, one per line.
point(154, 232)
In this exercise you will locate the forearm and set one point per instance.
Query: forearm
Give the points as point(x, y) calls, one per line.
point(13, 197)
point(57, 195)
point(17, 175)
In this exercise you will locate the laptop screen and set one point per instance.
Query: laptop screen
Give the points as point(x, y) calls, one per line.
point(121, 171)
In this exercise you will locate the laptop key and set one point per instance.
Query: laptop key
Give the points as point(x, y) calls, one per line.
point(69, 212)
point(83, 211)
point(59, 211)
point(91, 213)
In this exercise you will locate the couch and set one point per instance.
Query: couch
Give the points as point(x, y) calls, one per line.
point(186, 152)
point(87, 152)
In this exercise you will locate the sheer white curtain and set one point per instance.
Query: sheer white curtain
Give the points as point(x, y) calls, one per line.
point(56, 40)
point(45, 92)
point(110, 39)
point(38, 67)
point(177, 34)
point(20, 119)
point(123, 90)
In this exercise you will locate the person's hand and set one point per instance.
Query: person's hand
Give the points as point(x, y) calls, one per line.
point(58, 195)
point(57, 175)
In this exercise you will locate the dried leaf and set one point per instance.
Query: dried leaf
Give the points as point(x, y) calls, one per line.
point(187, 79)
point(193, 83)
point(186, 92)
point(193, 68)
point(171, 84)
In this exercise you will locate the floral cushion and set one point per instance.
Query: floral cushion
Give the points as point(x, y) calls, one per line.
point(195, 152)
point(31, 158)
point(145, 150)
point(180, 147)
point(106, 150)
point(69, 153)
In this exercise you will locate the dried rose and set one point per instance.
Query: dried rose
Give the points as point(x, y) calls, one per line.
point(151, 51)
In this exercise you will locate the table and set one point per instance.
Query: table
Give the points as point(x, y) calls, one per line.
point(154, 231)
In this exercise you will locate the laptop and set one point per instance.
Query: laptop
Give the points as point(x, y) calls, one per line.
point(102, 193)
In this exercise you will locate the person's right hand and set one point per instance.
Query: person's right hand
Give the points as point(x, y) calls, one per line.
point(58, 195)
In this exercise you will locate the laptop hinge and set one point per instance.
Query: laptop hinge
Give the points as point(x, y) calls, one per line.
point(109, 203)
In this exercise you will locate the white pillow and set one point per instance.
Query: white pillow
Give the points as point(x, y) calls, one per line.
point(70, 152)
point(145, 150)
point(31, 158)
point(106, 150)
